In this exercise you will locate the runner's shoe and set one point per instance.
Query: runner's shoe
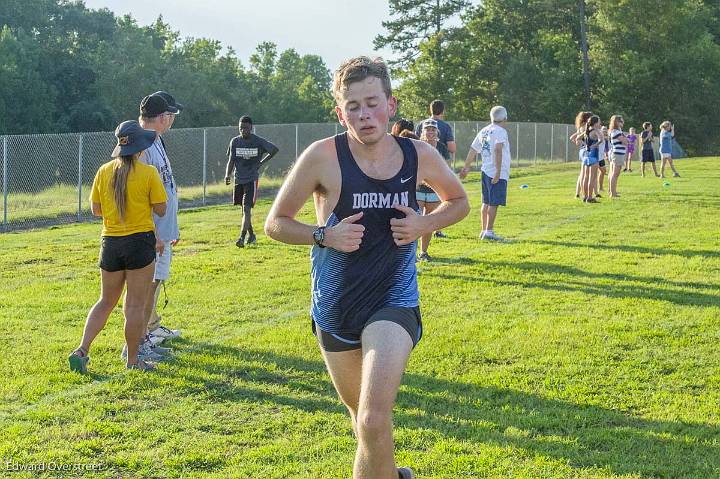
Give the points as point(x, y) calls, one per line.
point(252, 239)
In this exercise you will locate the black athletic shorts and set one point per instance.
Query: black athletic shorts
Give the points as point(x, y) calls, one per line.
point(648, 156)
point(408, 318)
point(135, 251)
point(245, 194)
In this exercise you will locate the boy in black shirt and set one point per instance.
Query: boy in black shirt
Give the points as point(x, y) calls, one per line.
point(246, 153)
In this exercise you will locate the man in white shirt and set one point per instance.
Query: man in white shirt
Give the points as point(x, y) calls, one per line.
point(157, 112)
point(493, 145)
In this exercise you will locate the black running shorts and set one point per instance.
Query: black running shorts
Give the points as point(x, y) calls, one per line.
point(408, 318)
point(135, 251)
point(245, 194)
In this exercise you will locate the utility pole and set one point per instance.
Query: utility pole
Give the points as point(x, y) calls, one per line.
point(586, 59)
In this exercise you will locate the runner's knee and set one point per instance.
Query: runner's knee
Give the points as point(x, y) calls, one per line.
point(373, 423)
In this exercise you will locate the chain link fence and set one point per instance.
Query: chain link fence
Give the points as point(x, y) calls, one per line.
point(46, 179)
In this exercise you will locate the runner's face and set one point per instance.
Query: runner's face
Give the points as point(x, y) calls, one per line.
point(245, 130)
point(365, 110)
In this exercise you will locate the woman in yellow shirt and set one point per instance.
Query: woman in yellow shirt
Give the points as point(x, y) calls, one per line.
point(125, 192)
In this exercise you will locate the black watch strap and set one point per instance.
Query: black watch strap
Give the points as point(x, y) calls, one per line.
point(319, 236)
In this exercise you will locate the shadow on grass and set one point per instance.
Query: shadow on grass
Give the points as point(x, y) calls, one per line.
point(584, 436)
point(628, 248)
point(614, 290)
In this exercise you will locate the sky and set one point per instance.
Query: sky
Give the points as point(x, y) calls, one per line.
point(333, 29)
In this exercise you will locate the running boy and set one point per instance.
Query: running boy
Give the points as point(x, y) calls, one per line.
point(246, 152)
point(365, 310)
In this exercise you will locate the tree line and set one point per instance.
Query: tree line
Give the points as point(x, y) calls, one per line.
point(650, 60)
point(67, 68)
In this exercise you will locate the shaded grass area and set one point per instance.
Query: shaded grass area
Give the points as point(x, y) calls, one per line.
point(585, 347)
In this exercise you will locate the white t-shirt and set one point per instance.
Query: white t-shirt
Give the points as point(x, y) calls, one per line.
point(484, 143)
point(166, 227)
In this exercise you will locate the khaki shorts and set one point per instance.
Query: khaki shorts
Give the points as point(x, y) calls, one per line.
point(618, 159)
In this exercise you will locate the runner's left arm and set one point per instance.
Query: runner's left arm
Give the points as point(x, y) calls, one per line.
point(270, 150)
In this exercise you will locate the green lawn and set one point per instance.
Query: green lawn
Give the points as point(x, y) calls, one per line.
point(587, 347)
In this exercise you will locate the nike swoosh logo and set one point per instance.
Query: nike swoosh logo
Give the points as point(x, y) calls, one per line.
point(405, 180)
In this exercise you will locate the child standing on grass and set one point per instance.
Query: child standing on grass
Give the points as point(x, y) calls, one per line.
point(591, 137)
point(648, 154)
point(619, 150)
point(632, 142)
point(604, 149)
point(667, 133)
point(580, 120)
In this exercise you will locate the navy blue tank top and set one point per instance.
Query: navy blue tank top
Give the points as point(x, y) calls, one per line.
point(589, 142)
point(348, 288)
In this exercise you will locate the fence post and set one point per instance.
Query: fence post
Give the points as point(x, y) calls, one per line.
point(5, 192)
point(517, 142)
point(567, 141)
point(477, 130)
point(204, 165)
point(535, 155)
point(296, 141)
point(552, 140)
point(80, 168)
point(453, 155)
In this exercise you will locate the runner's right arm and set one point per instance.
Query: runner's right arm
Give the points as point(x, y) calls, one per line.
point(311, 173)
point(230, 164)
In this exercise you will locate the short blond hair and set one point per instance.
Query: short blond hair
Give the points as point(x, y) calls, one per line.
point(358, 69)
point(665, 124)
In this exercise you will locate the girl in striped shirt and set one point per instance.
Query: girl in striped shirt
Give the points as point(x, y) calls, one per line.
point(619, 150)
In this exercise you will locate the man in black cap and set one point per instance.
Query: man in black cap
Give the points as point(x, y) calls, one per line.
point(157, 112)
point(246, 153)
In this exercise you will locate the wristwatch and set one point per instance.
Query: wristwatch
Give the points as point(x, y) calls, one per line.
point(319, 236)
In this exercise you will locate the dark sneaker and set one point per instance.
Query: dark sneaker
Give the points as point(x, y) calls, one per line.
point(440, 234)
point(240, 242)
point(424, 257)
point(252, 239)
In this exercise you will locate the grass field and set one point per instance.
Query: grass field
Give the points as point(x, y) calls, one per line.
point(587, 347)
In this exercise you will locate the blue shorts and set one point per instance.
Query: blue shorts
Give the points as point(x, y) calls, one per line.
point(493, 195)
point(591, 160)
point(427, 197)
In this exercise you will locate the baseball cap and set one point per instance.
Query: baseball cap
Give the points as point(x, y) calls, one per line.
point(430, 123)
point(154, 105)
point(170, 101)
point(132, 138)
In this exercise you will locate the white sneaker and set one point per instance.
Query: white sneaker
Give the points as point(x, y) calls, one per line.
point(166, 333)
point(155, 340)
point(145, 353)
